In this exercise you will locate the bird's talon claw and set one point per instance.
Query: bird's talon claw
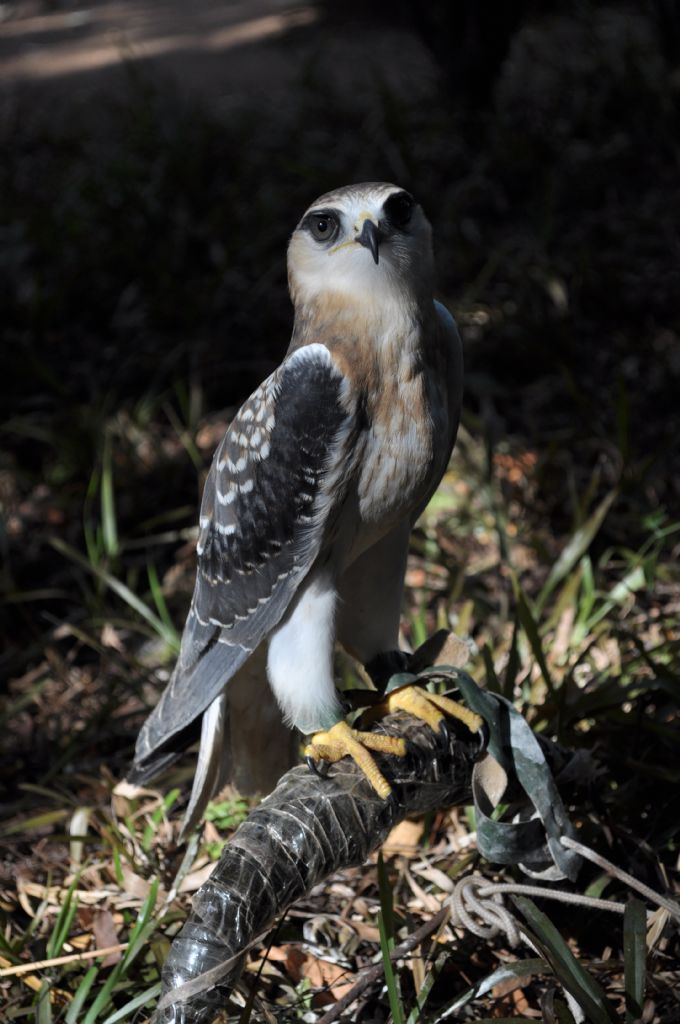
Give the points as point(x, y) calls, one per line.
point(411, 748)
point(319, 768)
point(445, 732)
point(392, 803)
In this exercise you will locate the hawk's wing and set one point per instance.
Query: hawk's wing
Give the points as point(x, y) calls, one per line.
point(270, 502)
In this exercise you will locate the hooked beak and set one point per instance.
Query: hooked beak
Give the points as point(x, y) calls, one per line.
point(371, 236)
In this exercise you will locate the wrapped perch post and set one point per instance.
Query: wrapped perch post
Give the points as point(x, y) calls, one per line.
point(305, 830)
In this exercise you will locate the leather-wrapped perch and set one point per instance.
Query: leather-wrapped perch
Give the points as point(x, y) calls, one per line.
point(305, 830)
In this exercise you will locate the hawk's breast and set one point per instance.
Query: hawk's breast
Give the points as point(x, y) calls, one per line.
point(399, 462)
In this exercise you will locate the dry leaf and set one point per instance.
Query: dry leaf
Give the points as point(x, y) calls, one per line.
point(434, 875)
point(426, 900)
point(133, 884)
point(295, 958)
point(367, 932)
point(403, 839)
point(110, 637)
point(195, 879)
point(106, 934)
point(323, 974)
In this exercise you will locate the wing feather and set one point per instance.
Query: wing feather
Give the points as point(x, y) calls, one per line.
point(271, 499)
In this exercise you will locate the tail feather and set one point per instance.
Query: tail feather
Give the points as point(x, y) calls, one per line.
point(210, 765)
point(243, 740)
point(174, 723)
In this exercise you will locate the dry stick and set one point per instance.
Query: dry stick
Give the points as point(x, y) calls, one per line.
point(58, 961)
point(375, 973)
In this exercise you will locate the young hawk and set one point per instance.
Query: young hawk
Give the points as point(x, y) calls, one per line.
point(312, 494)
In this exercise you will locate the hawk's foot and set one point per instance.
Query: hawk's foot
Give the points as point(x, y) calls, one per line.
point(342, 741)
point(431, 708)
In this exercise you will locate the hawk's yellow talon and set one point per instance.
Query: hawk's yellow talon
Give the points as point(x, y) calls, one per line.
point(342, 741)
point(429, 707)
point(453, 709)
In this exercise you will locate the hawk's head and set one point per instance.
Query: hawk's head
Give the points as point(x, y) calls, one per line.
point(369, 242)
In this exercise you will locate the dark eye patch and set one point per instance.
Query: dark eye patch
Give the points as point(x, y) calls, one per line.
point(398, 209)
point(323, 225)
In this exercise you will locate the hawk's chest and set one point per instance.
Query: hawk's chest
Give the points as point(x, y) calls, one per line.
point(399, 457)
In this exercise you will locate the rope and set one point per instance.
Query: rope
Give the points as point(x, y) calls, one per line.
point(477, 904)
point(671, 906)
point(467, 899)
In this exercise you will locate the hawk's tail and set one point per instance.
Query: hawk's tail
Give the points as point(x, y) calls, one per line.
point(243, 740)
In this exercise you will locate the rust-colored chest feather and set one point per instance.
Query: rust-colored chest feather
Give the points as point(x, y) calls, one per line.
point(396, 368)
point(400, 375)
point(399, 450)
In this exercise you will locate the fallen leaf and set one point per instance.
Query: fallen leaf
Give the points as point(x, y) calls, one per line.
point(403, 839)
point(195, 879)
point(106, 934)
point(323, 974)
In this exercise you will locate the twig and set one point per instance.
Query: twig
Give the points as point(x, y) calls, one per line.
point(374, 973)
point(57, 961)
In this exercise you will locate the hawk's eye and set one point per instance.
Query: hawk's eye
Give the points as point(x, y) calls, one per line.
point(398, 209)
point(323, 226)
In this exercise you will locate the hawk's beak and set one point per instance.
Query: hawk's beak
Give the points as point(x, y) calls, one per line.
point(371, 236)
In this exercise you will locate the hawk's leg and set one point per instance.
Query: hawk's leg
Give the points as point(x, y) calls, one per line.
point(342, 741)
point(431, 708)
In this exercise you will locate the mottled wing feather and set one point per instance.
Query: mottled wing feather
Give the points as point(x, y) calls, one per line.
point(275, 487)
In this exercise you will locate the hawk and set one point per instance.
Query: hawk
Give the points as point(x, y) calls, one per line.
point(308, 506)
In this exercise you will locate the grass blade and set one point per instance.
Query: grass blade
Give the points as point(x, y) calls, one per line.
point(575, 979)
point(576, 547)
point(44, 1011)
point(386, 905)
point(530, 627)
point(159, 599)
point(506, 972)
point(144, 924)
point(124, 592)
point(108, 503)
point(492, 680)
point(634, 958)
point(82, 992)
point(62, 925)
point(143, 999)
point(513, 666)
point(390, 977)
point(416, 1014)
point(386, 929)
